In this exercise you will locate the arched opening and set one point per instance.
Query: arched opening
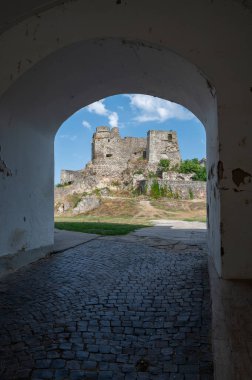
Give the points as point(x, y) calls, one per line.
point(69, 79)
point(121, 154)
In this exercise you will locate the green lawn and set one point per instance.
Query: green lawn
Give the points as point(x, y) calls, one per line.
point(195, 219)
point(98, 227)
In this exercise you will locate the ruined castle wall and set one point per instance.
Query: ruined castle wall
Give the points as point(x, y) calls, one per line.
point(111, 153)
point(67, 176)
point(182, 189)
point(163, 145)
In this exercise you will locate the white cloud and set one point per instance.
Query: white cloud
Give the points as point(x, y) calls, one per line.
point(100, 109)
point(68, 137)
point(113, 119)
point(150, 108)
point(86, 124)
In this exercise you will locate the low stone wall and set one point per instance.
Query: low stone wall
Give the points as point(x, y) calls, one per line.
point(182, 189)
point(177, 177)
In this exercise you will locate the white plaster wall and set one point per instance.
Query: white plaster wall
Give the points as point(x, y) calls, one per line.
point(236, 189)
point(215, 36)
point(26, 218)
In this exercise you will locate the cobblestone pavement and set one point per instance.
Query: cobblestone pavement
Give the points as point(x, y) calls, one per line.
point(108, 309)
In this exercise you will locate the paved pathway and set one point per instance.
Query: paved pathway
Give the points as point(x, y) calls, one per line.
point(109, 309)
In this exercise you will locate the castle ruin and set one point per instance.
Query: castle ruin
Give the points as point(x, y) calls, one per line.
point(128, 163)
point(112, 154)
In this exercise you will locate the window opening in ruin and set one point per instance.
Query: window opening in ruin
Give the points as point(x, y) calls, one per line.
point(169, 137)
point(109, 155)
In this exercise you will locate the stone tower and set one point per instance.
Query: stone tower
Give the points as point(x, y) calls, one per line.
point(163, 145)
point(111, 153)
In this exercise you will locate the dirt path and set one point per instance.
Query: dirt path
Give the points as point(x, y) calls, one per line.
point(146, 210)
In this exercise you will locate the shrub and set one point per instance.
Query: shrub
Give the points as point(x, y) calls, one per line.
point(64, 184)
point(193, 166)
point(158, 191)
point(201, 175)
point(155, 190)
point(175, 168)
point(97, 192)
point(164, 165)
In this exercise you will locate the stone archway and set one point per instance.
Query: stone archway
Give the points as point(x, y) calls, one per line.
point(50, 70)
point(65, 82)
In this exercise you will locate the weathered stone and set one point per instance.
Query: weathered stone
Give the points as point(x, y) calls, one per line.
point(127, 163)
point(112, 155)
point(109, 284)
point(86, 204)
point(174, 176)
point(182, 189)
point(163, 145)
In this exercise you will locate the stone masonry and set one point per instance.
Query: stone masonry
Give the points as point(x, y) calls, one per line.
point(131, 163)
point(163, 145)
point(110, 309)
point(112, 154)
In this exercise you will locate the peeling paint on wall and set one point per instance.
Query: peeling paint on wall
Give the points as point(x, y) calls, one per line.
point(211, 172)
point(209, 84)
point(211, 88)
point(243, 141)
point(119, 2)
point(139, 44)
point(4, 169)
point(239, 177)
point(220, 170)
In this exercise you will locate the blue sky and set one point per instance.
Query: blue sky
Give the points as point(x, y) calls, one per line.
point(134, 114)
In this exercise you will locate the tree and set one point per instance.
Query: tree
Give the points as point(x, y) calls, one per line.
point(194, 166)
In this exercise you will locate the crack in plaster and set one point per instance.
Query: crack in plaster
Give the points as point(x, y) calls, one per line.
point(4, 169)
